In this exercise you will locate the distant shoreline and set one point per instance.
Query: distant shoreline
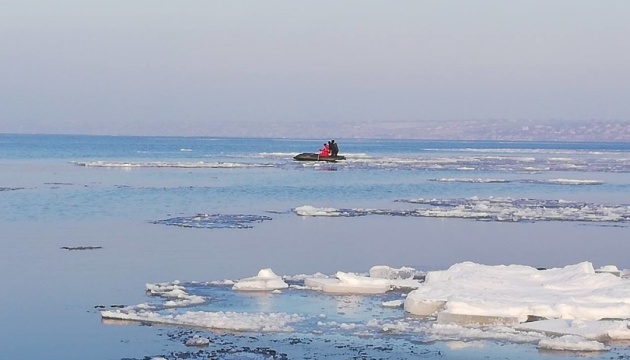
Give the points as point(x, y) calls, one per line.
point(460, 130)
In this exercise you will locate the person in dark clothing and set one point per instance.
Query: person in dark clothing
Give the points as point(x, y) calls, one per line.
point(334, 149)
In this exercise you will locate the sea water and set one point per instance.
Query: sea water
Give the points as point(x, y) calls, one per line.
point(134, 204)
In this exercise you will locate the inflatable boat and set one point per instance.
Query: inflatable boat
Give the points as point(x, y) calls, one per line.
point(316, 157)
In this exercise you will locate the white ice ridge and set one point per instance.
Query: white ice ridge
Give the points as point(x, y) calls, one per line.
point(494, 209)
point(175, 294)
point(470, 180)
point(263, 322)
point(529, 181)
point(381, 280)
point(266, 280)
point(575, 182)
point(308, 210)
point(517, 162)
point(593, 330)
point(161, 164)
point(571, 343)
point(469, 292)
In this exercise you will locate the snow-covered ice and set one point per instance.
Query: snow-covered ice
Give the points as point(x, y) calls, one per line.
point(574, 308)
point(175, 294)
point(490, 209)
point(386, 272)
point(520, 292)
point(349, 283)
point(266, 280)
point(197, 340)
point(571, 343)
point(163, 164)
point(264, 322)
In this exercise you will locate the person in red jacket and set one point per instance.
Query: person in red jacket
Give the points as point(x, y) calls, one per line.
point(325, 151)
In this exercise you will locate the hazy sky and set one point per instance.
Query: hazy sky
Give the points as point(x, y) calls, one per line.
point(180, 67)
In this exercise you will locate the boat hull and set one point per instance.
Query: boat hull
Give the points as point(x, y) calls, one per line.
point(316, 157)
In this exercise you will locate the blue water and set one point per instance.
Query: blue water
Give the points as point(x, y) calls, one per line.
point(121, 194)
point(55, 186)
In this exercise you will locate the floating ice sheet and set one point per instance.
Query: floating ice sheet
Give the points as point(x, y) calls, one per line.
point(266, 280)
point(468, 290)
point(175, 294)
point(214, 221)
point(514, 160)
point(490, 209)
point(587, 329)
point(264, 322)
point(571, 343)
point(386, 272)
point(527, 181)
point(181, 164)
point(349, 283)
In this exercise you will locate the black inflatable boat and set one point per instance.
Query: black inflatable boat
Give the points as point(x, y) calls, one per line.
point(316, 157)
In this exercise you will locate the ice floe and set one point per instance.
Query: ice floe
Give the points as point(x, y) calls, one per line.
point(515, 162)
point(264, 322)
point(180, 164)
point(586, 329)
point(387, 272)
point(266, 280)
point(489, 209)
point(348, 283)
point(385, 279)
point(468, 180)
point(514, 293)
point(573, 182)
point(526, 181)
point(571, 343)
point(214, 221)
point(197, 340)
point(574, 308)
point(175, 294)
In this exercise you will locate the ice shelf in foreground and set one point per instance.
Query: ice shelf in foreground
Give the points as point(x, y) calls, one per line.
point(592, 330)
point(571, 343)
point(266, 280)
point(273, 322)
point(513, 293)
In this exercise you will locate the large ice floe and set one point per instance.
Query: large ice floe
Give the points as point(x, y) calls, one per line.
point(490, 209)
point(381, 279)
point(576, 300)
point(574, 308)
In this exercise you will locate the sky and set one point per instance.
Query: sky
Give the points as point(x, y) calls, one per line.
point(156, 67)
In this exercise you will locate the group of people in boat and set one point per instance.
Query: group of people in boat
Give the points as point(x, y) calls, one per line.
point(329, 149)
